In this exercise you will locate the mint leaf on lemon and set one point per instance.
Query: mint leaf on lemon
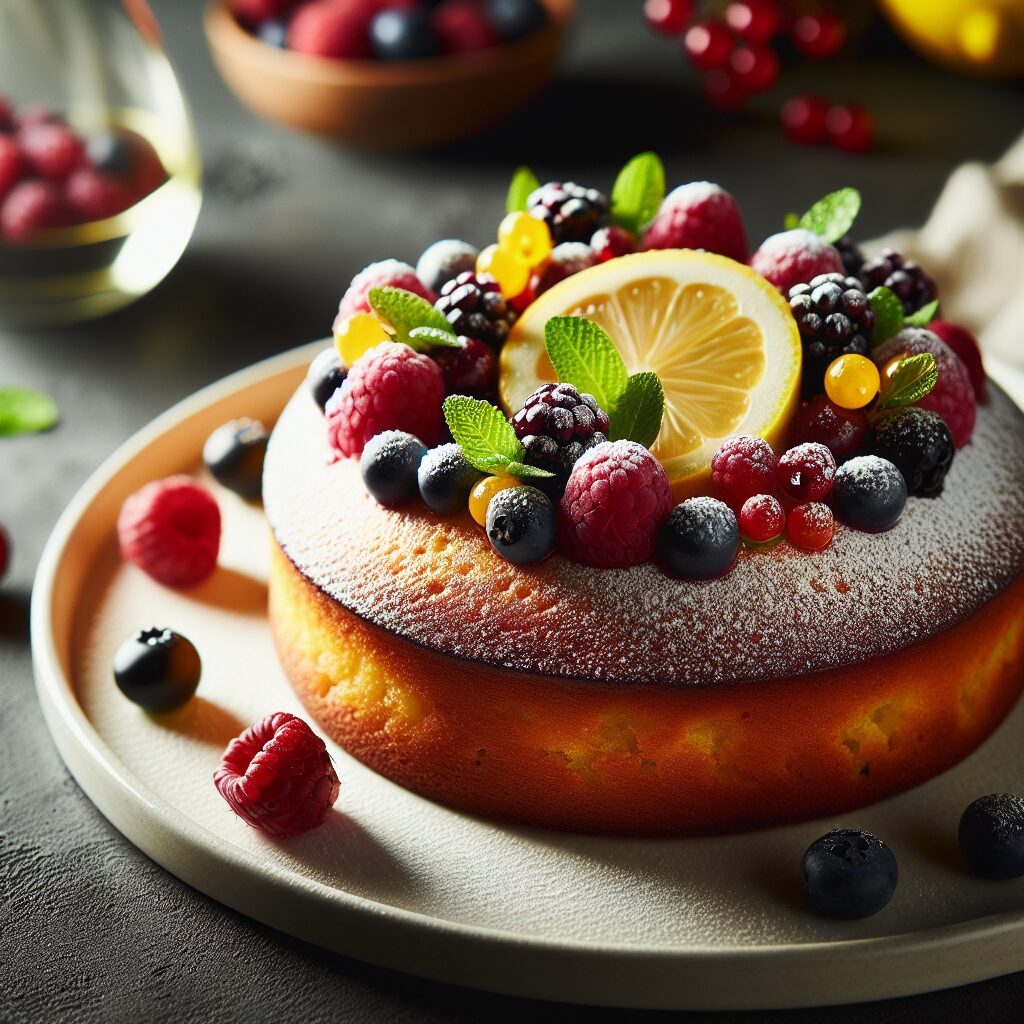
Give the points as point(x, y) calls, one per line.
point(924, 316)
point(25, 411)
point(913, 378)
point(403, 312)
point(832, 216)
point(486, 437)
point(638, 192)
point(888, 310)
point(584, 356)
point(524, 181)
point(636, 415)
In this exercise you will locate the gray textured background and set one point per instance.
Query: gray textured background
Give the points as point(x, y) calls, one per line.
point(90, 929)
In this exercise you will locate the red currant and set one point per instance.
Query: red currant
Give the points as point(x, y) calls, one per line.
point(669, 17)
point(819, 36)
point(803, 118)
point(811, 527)
point(850, 128)
point(755, 68)
point(708, 44)
point(805, 472)
point(612, 241)
point(843, 431)
point(754, 21)
point(762, 519)
point(723, 90)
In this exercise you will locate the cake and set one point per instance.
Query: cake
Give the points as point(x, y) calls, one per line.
point(568, 694)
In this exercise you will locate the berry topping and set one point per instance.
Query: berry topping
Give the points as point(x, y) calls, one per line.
point(31, 206)
point(803, 119)
point(471, 369)
point(461, 26)
point(171, 530)
point(616, 498)
point(572, 213)
point(844, 432)
point(742, 467)
point(806, 472)
point(792, 257)
point(514, 19)
point(403, 34)
point(484, 490)
point(385, 274)
point(853, 258)
point(611, 242)
point(918, 443)
point(852, 381)
point(520, 525)
point(560, 412)
point(699, 215)
point(869, 493)
point(391, 387)
point(356, 334)
point(567, 259)
point(810, 527)
point(328, 29)
point(762, 519)
point(444, 261)
point(910, 283)
point(848, 873)
point(325, 376)
point(278, 777)
point(965, 345)
point(234, 454)
point(475, 307)
point(445, 478)
point(700, 538)
point(157, 669)
point(953, 395)
point(389, 464)
point(51, 150)
point(992, 836)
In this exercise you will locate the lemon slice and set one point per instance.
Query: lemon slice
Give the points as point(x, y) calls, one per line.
point(719, 336)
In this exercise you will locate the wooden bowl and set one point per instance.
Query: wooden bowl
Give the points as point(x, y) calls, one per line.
point(383, 105)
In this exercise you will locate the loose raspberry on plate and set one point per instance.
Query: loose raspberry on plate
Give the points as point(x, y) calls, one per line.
point(792, 257)
point(617, 497)
point(51, 150)
point(32, 206)
point(391, 387)
point(171, 530)
point(385, 274)
point(742, 467)
point(806, 472)
point(278, 777)
point(699, 215)
point(962, 342)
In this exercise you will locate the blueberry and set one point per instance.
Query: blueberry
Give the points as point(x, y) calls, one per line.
point(234, 454)
point(109, 152)
point(513, 19)
point(444, 261)
point(700, 538)
point(157, 669)
point(918, 443)
point(325, 376)
point(389, 464)
point(273, 32)
point(848, 873)
point(869, 493)
point(403, 35)
point(992, 836)
point(521, 525)
point(446, 477)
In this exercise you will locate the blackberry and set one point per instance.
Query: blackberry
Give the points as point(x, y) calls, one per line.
point(918, 443)
point(834, 318)
point(572, 213)
point(911, 284)
point(853, 258)
point(475, 307)
point(992, 836)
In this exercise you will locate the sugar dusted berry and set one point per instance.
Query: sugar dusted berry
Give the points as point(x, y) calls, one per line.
point(566, 259)
point(325, 376)
point(699, 215)
point(476, 308)
point(471, 369)
point(385, 274)
point(572, 213)
point(445, 478)
point(762, 519)
point(610, 242)
point(848, 873)
point(918, 443)
point(792, 257)
point(742, 467)
point(520, 525)
point(869, 493)
point(910, 282)
point(157, 669)
point(234, 454)
point(965, 345)
point(991, 835)
point(700, 538)
point(845, 432)
point(389, 465)
point(811, 526)
point(444, 261)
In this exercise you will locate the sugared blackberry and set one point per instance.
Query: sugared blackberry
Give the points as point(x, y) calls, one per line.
point(853, 258)
point(918, 443)
point(572, 213)
point(911, 284)
point(475, 307)
point(834, 318)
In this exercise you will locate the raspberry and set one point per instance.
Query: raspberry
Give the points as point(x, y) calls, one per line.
point(475, 307)
point(51, 150)
point(844, 432)
point(171, 530)
point(791, 257)
point(93, 195)
point(617, 497)
point(391, 387)
point(469, 370)
point(252, 12)
point(385, 274)
point(326, 28)
point(762, 519)
point(912, 286)
point(811, 527)
point(611, 242)
point(566, 259)
point(572, 213)
point(953, 395)
point(462, 27)
point(12, 164)
point(742, 467)
point(806, 472)
point(30, 207)
point(699, 215)
point(278, 777)
point(965, 345)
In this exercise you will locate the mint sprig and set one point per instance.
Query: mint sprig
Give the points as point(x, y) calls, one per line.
point(888, 310)
point(25, 411)
point(524, 181)
point(924, 316)
point(638, 192)
point(832, 216)
point(404, 312)
point(487, 438)
point(432, 337)
point(912, 379)
point(636, 414)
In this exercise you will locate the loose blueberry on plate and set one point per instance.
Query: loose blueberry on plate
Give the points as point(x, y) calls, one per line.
point(848, 873)
point(869, 493)
point(446, 477)
point(157, 669)
point(389, 464)
point(992, 836)
point(234, 454)
point(325, 376)
point(521, 525)
point(699, 539)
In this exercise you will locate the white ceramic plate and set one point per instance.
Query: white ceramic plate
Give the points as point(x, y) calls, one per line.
point(396, 880)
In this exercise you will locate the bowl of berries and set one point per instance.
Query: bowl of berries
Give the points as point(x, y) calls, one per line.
point(387, 74)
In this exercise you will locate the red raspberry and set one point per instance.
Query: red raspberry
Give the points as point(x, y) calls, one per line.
point(391, 387)
point(844, 432)
point(811, 527)
point(803, 119)
point(462, 27)
point(953, 395)
point(385, 274)
point(699, 215)
point(469, 370)
point(762, 519)
point(806, 472)
point(964, 344)
point(617, 497)
point(611, 242)
point(93, 195)
point(171, 530)
point(12, 164)
point(328, 28)
point(32, 206)
point(278, 777)
point(742, 467)
point(52, 150)
point(252, 12)
point(794, 257)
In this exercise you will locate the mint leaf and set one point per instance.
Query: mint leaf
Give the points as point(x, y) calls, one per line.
point(834, 215)
point(888, 310)
point(924, 316)
point(404, 311)
point(24, 411)
point(638, 192)
point(636, 416)
point(912, 380)
point(524, 181)
point(432, 337)
point(583, 355)
point(521, 469)
point(486, 437)
point(792, 221)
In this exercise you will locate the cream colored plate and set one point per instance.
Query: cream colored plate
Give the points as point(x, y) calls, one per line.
point(396, 880)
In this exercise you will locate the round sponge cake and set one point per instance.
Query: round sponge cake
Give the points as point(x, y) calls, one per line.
point(625, 701)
